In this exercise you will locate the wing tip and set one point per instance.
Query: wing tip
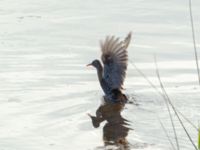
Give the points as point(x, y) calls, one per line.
point(127, 40)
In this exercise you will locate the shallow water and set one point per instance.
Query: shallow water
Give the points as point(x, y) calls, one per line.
point(46, 91)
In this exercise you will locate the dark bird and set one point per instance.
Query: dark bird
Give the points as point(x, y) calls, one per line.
point(112, 74)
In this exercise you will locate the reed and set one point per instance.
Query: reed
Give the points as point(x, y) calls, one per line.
point(161, 94)
point(165, 96)
point(173, 108)
point(194, 40)
point(167, 135)
point(167, 103)
point(199, 137)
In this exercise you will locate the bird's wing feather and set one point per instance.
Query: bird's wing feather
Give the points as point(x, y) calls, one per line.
point(115, 57)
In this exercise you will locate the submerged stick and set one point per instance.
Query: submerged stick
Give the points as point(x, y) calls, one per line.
point(194, 41)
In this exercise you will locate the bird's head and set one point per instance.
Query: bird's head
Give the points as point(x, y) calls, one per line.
point(95, 63)
point(95, 121)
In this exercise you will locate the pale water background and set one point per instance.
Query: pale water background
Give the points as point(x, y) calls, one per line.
point(46, 90)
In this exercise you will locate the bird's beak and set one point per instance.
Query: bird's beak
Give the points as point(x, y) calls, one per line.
point(89, 115)
point(89, 65)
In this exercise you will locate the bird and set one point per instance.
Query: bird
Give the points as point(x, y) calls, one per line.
point(112, 73)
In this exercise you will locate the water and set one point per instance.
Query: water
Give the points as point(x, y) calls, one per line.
point(46, 91)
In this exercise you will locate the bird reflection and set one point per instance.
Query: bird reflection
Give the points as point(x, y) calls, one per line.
point(115, 130)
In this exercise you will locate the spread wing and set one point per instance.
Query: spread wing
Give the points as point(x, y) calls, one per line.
point(115, 57)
